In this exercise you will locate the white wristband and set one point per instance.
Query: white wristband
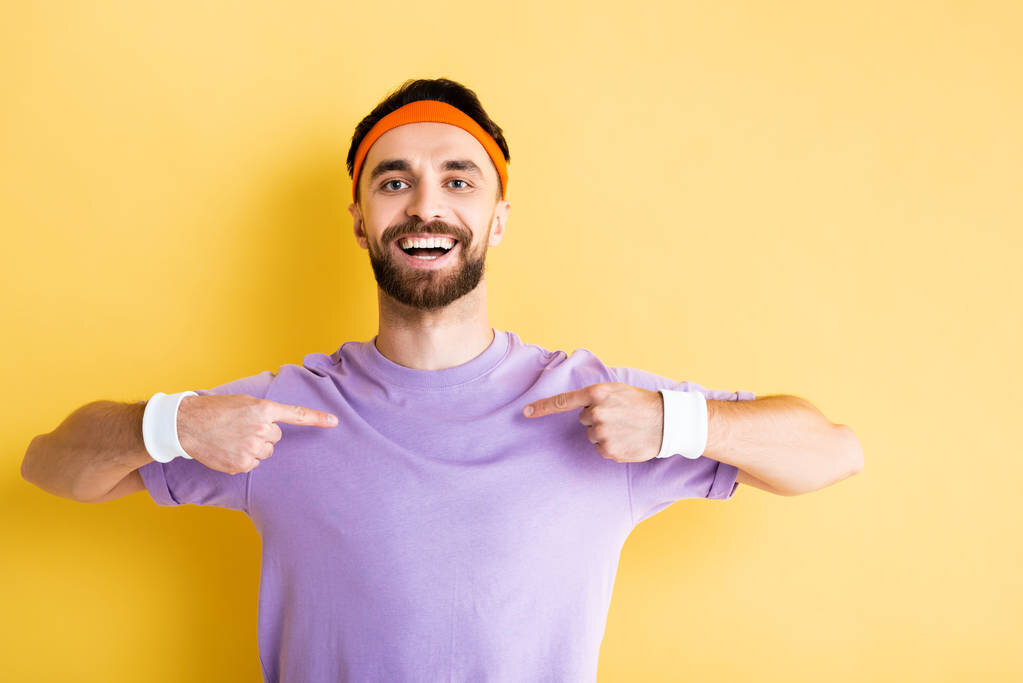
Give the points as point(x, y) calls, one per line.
point(160, 426)
point(685, 424)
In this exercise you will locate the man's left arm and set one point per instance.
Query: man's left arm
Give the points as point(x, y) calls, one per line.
point(779, 443)
point(782, 441)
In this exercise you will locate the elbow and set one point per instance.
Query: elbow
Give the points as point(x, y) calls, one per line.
point(854, 450)
point(36, 470)
point(27, 459)
point(852, 454)
point(843, 466)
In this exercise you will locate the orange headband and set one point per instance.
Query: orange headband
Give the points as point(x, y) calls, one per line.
point(429, 111)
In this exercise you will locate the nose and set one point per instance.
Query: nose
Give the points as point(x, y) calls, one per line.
point(426, 201)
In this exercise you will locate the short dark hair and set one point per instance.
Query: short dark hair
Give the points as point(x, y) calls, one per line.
point(441, 89)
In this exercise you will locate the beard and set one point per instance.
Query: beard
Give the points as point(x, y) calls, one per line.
point(427, 289)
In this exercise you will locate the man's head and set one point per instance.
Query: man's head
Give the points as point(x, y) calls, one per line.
point(428, 179)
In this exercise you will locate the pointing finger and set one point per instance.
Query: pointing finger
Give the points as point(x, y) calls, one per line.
point(558, 403)
point(300, 415)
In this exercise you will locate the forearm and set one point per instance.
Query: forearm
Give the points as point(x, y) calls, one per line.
point(783, 441)
point(92, 450)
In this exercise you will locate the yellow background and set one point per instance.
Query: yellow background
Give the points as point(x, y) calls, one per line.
point(782, 197)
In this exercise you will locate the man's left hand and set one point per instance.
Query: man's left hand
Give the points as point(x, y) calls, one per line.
point(624, 423)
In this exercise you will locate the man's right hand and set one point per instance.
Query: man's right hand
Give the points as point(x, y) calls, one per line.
point(233, 433)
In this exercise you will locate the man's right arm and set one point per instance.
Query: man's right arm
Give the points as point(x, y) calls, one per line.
point(94, 454)
point(90, 453)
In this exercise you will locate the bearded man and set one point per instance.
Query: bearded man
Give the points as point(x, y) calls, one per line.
point(457, 511)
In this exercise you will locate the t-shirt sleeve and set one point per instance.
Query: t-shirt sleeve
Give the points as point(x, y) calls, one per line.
point(657, 483)
point(183, 481)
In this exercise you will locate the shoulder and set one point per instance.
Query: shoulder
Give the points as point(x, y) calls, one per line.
point(314, 368)
point(580, 364)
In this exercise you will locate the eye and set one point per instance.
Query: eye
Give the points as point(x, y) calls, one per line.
point(387, 184)
point(459, 180)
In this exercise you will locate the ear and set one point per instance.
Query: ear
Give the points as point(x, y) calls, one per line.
point(360, 234)
point(498, 223)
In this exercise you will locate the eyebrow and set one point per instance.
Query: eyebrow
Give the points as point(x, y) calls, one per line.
point(386, 165)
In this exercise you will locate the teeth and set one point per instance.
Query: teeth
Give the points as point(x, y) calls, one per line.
point(429, 243)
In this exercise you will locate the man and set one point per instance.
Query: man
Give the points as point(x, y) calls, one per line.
point(459, 510)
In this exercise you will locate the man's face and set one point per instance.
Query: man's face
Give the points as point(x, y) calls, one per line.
point(428, 180)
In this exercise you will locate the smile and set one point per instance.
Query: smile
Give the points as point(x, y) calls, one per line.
point(428, 258)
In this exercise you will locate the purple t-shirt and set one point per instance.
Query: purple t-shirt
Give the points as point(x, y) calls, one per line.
point(436, 533)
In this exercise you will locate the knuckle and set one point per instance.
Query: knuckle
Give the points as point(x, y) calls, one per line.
point(264, 410)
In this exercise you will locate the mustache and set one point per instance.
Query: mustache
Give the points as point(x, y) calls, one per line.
point(414, 226)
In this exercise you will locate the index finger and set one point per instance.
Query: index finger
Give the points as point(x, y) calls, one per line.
point(300, 415)
point(559, 403)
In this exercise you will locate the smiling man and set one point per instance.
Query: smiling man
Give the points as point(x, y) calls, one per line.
point(458, 511)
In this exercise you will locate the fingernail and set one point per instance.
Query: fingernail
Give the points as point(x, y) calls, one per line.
point(529, 410)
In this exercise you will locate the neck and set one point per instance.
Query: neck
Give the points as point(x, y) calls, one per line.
point(434, 340)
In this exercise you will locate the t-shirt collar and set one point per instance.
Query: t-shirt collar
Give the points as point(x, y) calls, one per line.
point(384, 368)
